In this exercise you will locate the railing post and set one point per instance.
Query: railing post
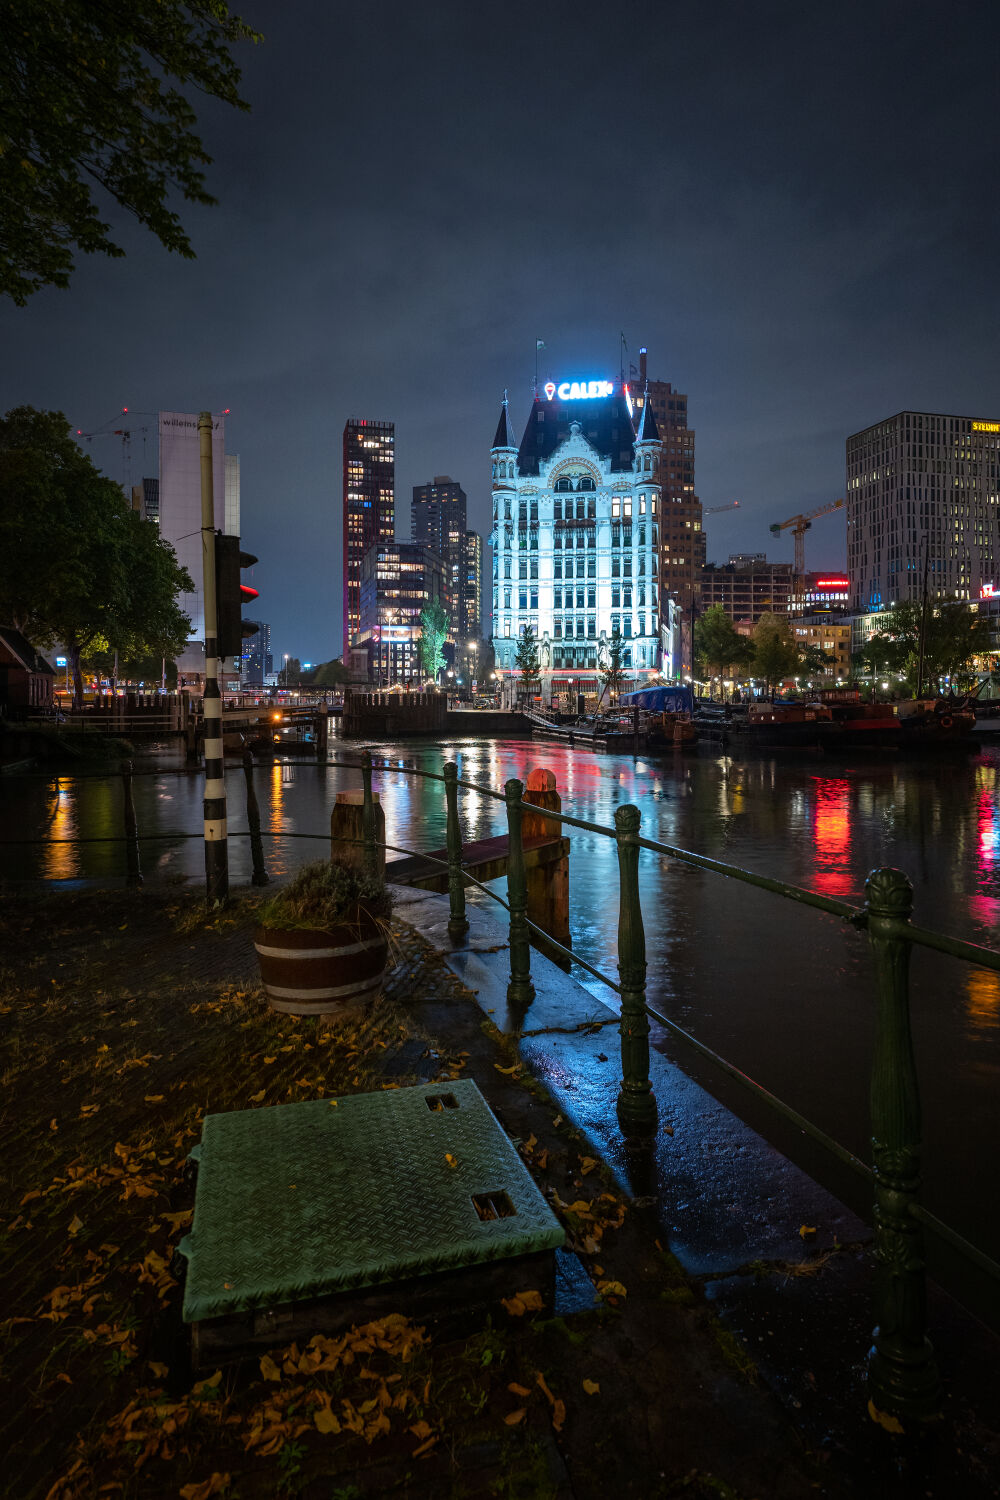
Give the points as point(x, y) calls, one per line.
point(457, 921)
point(368, 833)
point(636, 1103)
point(520, 990)
point(131, 829)
point(902, 1375)
point(259, 876)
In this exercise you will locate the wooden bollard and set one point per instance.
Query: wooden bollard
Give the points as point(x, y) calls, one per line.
point(548, 884)
point(347, 831)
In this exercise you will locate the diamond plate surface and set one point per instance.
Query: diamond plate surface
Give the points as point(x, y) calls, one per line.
point(305, 1199)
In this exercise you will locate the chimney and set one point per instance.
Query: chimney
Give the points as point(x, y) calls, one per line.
point(642, 366)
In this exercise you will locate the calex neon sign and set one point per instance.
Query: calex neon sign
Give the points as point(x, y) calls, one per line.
point(579, 390)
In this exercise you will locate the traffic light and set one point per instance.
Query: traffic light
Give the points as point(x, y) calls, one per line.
point(231, 595)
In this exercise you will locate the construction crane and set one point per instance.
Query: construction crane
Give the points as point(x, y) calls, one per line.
point(713, 510)
point(800, 525)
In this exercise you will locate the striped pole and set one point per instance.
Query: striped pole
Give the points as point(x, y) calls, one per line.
point(216, 845)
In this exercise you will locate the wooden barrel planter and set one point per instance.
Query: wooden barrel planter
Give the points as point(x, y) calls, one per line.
point(330, 973)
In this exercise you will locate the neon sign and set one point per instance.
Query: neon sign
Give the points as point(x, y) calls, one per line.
point(988, 591)
point(986, 426)
point(579, 390)
point(833, 583)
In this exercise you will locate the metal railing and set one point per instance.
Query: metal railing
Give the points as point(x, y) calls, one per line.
point(902, 1373)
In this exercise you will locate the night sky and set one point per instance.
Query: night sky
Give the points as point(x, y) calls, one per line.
point(793, 206)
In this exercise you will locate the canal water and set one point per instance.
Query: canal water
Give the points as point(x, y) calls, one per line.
point(784, 993)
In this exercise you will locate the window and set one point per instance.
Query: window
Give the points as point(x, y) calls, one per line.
point(591, 567)
point(616, 567)
point(627, 506)
point(506, 510)
point(592, 598)
point(586, 483)
point(522, 598)
point(642, 505)
point(557, 599)
point(534, 598)
point(557, 568)
point(579, 598)
point(506, 598)
point(557, 509)
point(534, 567)
point(557, 630)
point(616, 596)
point(506, 567)
point(534, 510)
point(616, 506)
point(522, 567)
point(627, 632)
point(616, 536)
point(591, 627)
point(627, 561)
point(592, 508)
point(562, 485)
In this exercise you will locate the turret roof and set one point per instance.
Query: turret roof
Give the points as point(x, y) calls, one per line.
point(648, 430)
point(604, 422)
point(504, 437)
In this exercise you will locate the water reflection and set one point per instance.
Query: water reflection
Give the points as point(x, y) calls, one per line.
point(832, 837)
point(61, 861)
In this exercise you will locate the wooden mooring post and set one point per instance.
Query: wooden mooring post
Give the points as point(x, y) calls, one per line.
point(134, 873)
point(260, 875)
point(548, 884)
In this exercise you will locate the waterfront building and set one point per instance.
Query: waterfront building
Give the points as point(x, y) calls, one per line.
point(439, 521)
point(471, 619)
point(576, 535)
point(177, 498)
point(824, 593)
point(397, 580)
point(747, 587)
point(369, 510)
point(830, 635)
point(682, 537)
point(921, 484)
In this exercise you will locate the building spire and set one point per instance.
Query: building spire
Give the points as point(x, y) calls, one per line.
point(648, 431)
point(503, 437)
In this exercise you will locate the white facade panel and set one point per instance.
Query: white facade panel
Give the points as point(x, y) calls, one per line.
point(180, 499)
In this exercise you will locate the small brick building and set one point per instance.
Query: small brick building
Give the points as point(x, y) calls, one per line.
point(26, 678)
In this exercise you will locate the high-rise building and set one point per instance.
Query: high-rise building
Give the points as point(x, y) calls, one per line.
point(438, 521)
point(682, 540)
point(177, 497)
point(369, 514)
point(922, 485)
point(397, 580)
point(258, 663)
point(471, 586)
point(576, 535)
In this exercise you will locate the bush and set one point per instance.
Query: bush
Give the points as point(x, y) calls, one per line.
point(322, 894)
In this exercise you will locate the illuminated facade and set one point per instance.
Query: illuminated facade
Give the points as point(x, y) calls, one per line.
point(397, 580)
point(471, 624)
point(747, 587)
point(682, 539)
point(920, 475)
point(576, 536)
point(369, 514)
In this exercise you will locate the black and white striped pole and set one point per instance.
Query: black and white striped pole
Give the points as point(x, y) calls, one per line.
point(216, 844)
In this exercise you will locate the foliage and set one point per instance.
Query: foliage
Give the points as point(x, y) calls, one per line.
point(433, 634)
point(327, 674)
point(814, 661)
point(291, 672)
point(96, 94)
point(79, 565)
point(613, 671)
point(719, 645)
point(324, 893)
point(952, 637)
point(526, 656)
point(775, 653)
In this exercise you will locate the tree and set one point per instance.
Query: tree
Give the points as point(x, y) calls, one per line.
point(526, 657)
point(951, 640)
point(613, 670)
point(93, 93)
point(79, 565)
point(814, 661)
point(328, 674)
point(774, 650)
point(719, 645)
point(291, 672)
point(433, 634)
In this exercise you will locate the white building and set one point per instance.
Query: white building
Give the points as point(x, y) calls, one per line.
point(576, 535)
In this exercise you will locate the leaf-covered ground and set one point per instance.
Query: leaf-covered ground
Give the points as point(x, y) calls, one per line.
point(125, 1018)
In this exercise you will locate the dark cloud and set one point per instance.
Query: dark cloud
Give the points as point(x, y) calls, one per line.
point(793, 206)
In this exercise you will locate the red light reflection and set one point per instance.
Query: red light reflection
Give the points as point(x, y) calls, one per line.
point(832, 837)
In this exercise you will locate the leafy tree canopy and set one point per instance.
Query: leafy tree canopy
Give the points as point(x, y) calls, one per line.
point(775, 654)
point(433, 634)
point(951, 640)
point(612, 669)
point(94, 92)
point(327, 674)
point(79, 565)
point(719, 645)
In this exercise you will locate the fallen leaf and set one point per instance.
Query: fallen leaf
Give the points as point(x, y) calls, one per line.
point(212, 1486)
point(256, 1098)
point(75, 1225)
point(53, 1124)
point(668, 1130)
point(611, 1289)
point(513, 1417)
point(421, 1430)
point(557, 1121)
point(160, 1371)
point(201, 1387)
point(425, 1447)
point(558, 1415)
point(269, 1369)
point(518, 1390)
point(508, 1072)
point(542, 1386)
point(155, 1098)
point(326, 1421)
point(523, 1302)
point(884, 1419)
point(451, 1160)
point(592, 1388)
point(587, 1164)
point(807, 1230)
point(270, 1059)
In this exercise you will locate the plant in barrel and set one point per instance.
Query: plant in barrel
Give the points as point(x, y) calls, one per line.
point(323, 941)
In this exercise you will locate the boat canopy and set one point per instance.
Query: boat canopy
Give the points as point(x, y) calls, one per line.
point(676, 698)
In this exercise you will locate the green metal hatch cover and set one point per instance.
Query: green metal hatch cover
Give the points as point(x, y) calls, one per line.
point(306, 1199)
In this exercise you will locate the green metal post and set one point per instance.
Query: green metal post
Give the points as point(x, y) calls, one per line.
point(520, 990)
point(259, 876)
point(368, 816)
point(902, 1375)
point(636, 1103)
point(131, 829)
point(457, 921)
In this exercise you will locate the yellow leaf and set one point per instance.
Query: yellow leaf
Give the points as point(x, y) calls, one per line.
point(425, 1447)
point(326, 1421)
point(558, 1415)
point(884, 1419)
point(530, 1143)
point(518, 1390)
point(269, 1059)
point(269, 1369)
point(421, 1430)
point(208, 1487)
point(513, 1417)
point(592, 1388)
point(508, 1071)
point(208, 1384)
point(155, 1098)
point(668, 1130)
point(557, 1121)
point(256, 1098)
point(35, 1193)
point(76, 1224)
point(807, 1230)
point(543, 1387)
point(160, 1371)
point(53, 1124)
point(451, 1160)
point(523, 1302)
point(611, 1289)
point(587, 1164)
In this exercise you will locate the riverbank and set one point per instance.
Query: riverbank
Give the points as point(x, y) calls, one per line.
point(126, 1018)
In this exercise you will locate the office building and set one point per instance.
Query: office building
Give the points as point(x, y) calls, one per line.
point(576, 535)
point(821, 593)
point(438, 521)
point(747, 587)
point(831, 636)
point(369, 511)
point(922, 485)
point(471, 588)
point(258, 663)
point(682, 538)
point(397, 580)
